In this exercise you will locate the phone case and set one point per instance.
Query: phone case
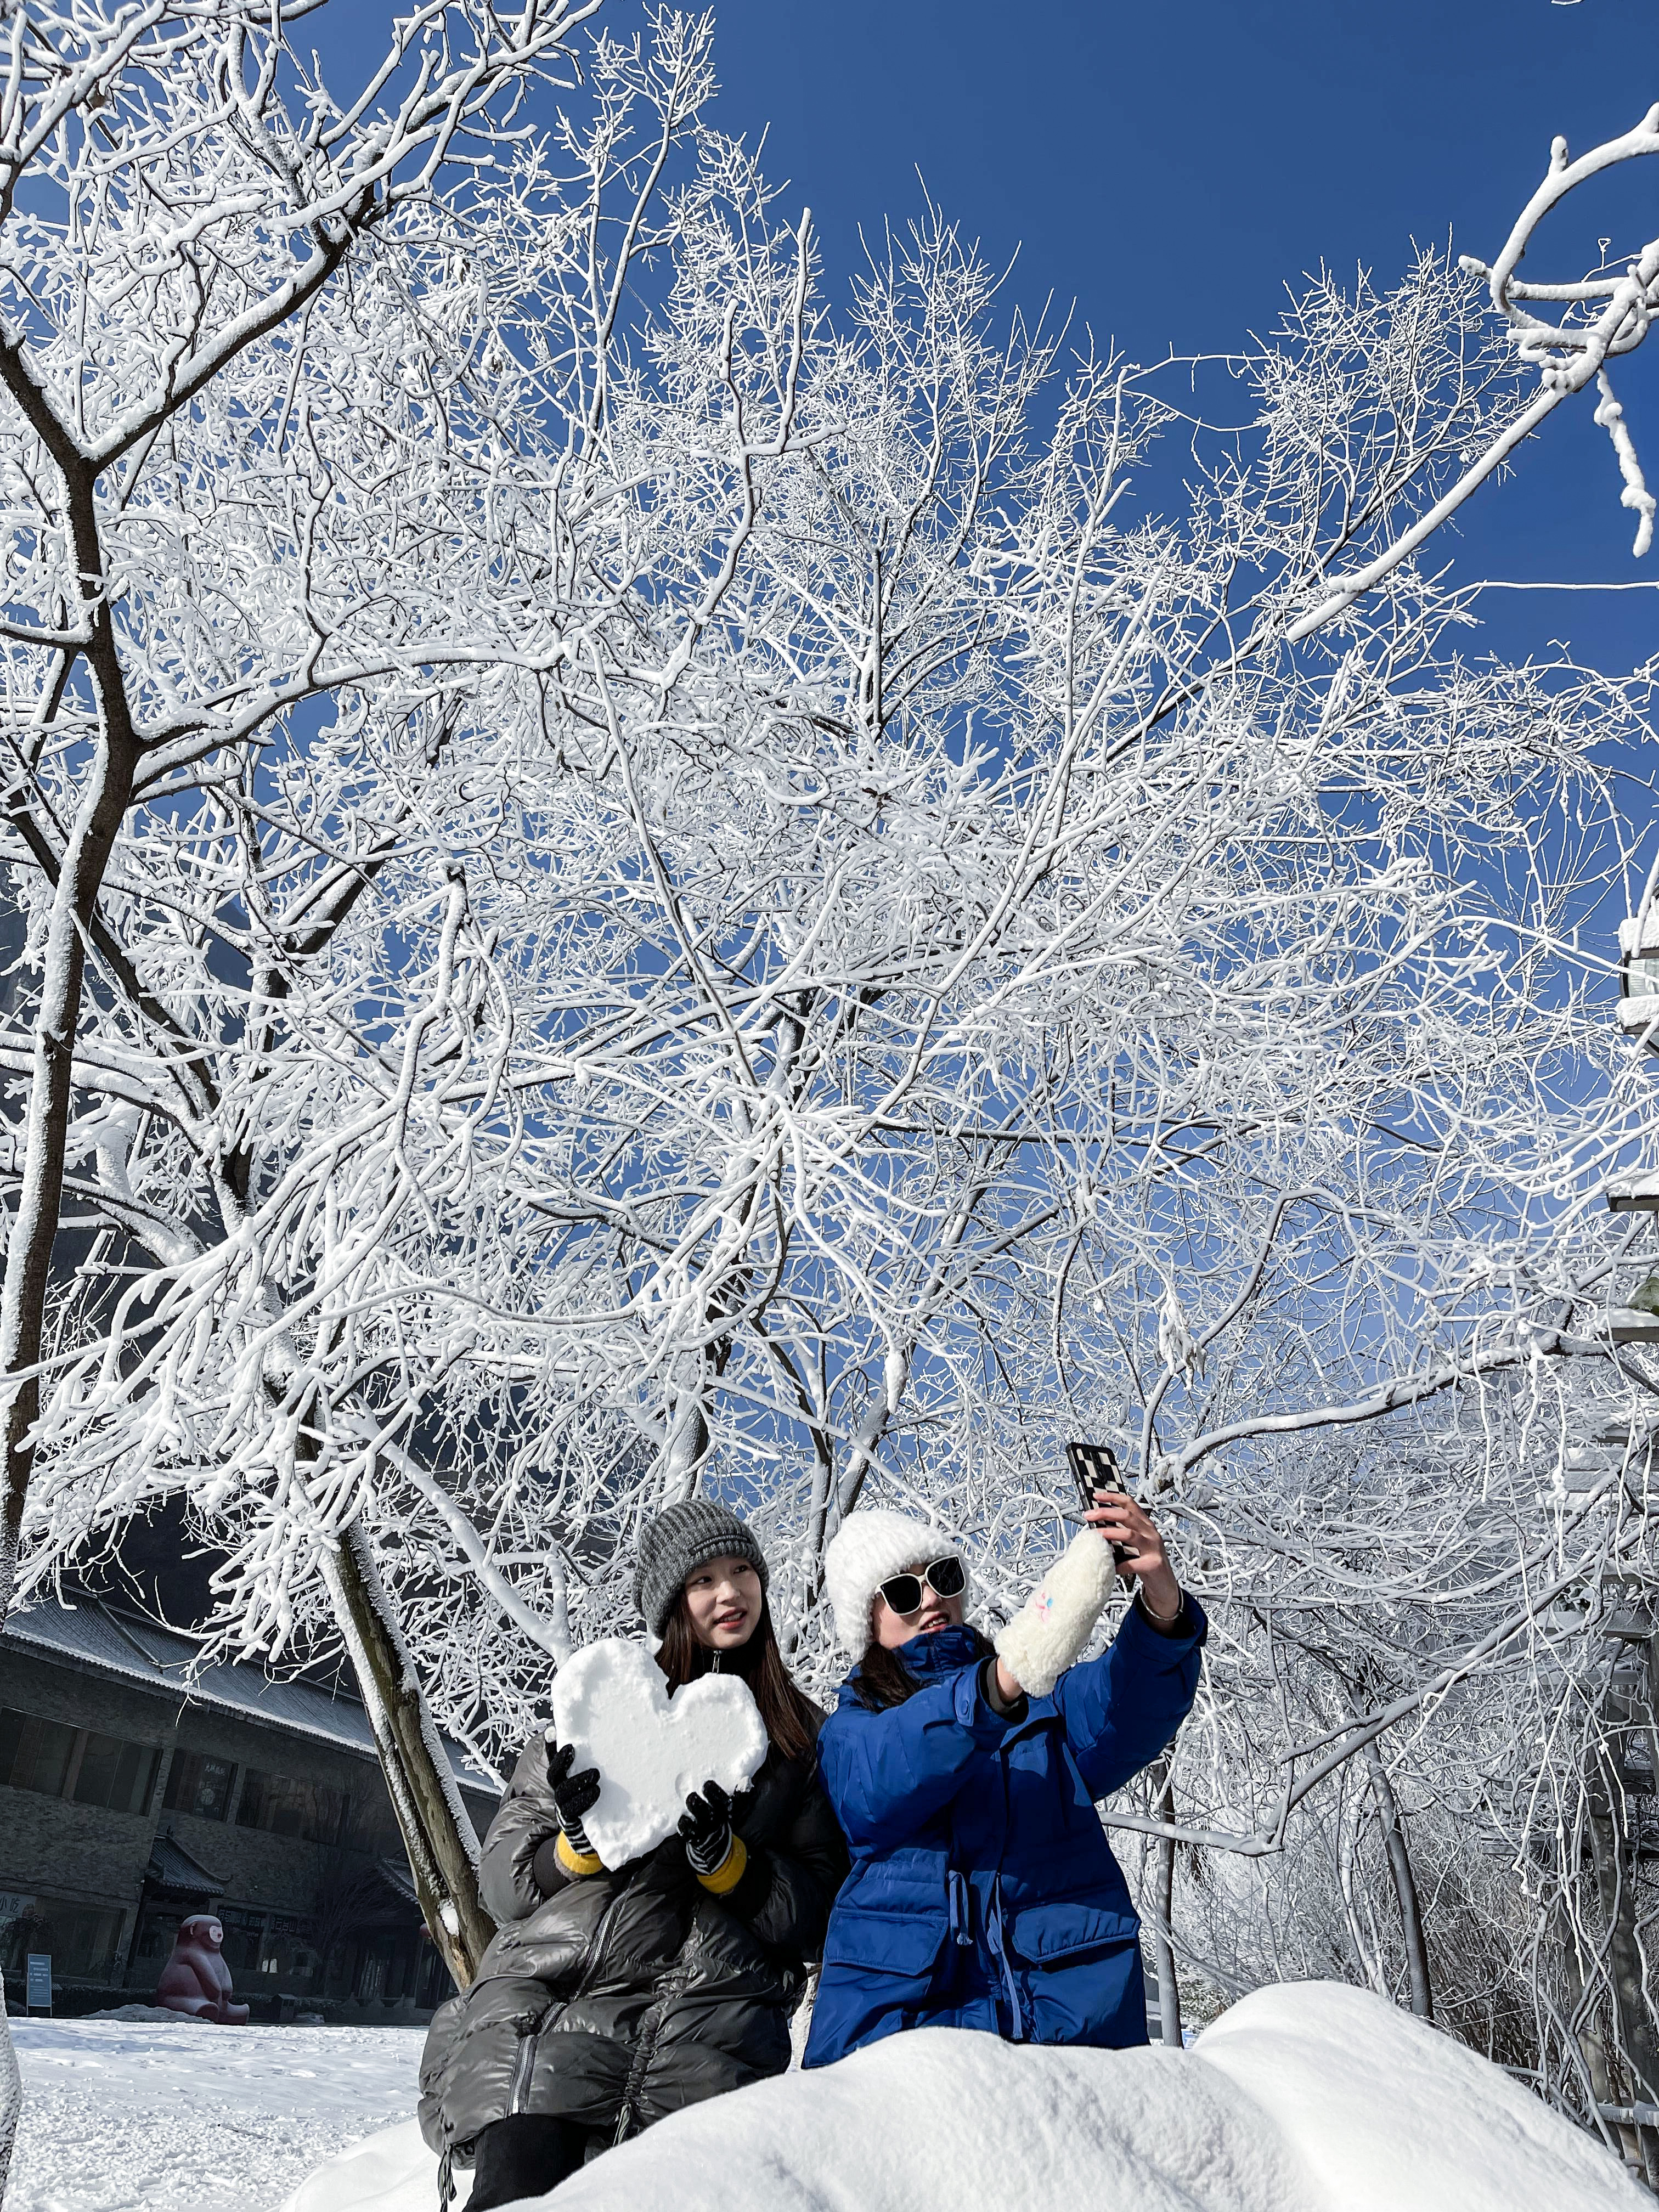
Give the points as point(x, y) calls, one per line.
point(1094, 1467)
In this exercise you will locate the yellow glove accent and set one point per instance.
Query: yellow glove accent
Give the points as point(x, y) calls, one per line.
point(576, 1862)
point(729, 1871)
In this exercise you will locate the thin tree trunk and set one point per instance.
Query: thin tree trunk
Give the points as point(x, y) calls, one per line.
point(1169, 1989)
point(33, 1226)
point(32, 1230)
point(1581, 2021)
point(1365, 1954)
point(439, 1838)
point(1404, 1886)
point(1617, 1892)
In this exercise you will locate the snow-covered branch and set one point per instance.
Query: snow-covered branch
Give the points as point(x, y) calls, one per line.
point(1606, 316)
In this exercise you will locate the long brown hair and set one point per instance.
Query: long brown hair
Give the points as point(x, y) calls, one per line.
point(884, 1680)
point(792, 1722)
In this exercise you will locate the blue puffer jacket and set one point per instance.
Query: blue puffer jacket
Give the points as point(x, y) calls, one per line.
point(983, 1892)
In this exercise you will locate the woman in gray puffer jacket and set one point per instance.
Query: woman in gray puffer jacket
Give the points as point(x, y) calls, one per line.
point(608, 1998)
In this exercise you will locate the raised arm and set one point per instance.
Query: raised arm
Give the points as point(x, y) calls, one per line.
point(1121, 1709)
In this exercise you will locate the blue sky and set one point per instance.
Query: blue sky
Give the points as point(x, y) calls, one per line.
point(1172, 166)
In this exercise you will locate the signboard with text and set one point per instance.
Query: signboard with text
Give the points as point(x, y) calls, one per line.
point(40, 1981)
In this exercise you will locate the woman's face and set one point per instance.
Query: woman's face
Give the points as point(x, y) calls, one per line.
point(933, 1613)
point(723, 1597)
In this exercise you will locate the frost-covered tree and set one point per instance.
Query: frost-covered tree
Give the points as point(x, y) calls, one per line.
point(219, 505)
point(845, 922)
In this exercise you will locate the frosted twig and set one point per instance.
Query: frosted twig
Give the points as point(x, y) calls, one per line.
point(1610, 417)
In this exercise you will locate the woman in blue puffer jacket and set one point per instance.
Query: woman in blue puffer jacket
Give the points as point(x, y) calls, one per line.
point(983, 1892)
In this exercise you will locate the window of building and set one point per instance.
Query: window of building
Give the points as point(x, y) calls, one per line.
point(309, 1810)
point(116, 1774)
point(156, 1933)
point(432, 1983)
point(374, 1974)
point(199, 1784)
point(80, 1940)
point(281, 1951)
point(54, 1758)
point(34, 1754)
point(84, 1937)
point(244, 1939)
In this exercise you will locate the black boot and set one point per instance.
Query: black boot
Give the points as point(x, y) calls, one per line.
point(524, 2155)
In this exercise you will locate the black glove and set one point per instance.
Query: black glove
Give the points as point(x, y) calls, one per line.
point(572, 1795)
point(706, 1828)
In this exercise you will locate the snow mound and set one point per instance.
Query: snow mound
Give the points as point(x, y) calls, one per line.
point(150, 2014)
point(611, 1702)
point(391, 2171)
point(951, 2120)
point(1385, 2112)
point(1309, 2097)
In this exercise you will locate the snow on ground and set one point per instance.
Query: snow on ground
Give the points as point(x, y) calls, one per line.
point(1309, 2097)
point(171, 2115)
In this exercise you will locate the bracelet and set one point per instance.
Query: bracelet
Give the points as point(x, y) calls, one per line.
point(1163, 1620)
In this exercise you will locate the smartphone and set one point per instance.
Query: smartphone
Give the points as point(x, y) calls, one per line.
point(1094, 1467)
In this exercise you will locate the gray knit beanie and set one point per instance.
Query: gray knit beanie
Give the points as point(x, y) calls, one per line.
point(680, 1538)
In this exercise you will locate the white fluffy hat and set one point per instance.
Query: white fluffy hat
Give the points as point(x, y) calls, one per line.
point(865, 1550)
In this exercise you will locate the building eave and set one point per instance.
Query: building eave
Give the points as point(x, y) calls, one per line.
point(123, 1657)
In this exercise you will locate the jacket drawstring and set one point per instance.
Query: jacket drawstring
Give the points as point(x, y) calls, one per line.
point(993, 1932)
point(957, 1907)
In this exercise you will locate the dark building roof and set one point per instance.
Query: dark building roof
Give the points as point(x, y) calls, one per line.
point(395, 1873)
point(89, 1633)
point(172, 1873)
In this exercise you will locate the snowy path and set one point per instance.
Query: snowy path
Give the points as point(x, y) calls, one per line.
point(168, 2116)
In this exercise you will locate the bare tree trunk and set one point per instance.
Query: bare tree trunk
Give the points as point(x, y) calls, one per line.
point(1580, 2017)
point(1617, 1892)
point(1404, 1886)
point(1343, 1852)
point(1169, 1989)
point(33, 1228)
point(439, 1838)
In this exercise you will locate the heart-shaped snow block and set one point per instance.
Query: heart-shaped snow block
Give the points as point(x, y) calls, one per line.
point(611, 1702)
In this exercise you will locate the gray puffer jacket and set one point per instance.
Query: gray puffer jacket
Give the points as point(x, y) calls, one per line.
point(612, 1999)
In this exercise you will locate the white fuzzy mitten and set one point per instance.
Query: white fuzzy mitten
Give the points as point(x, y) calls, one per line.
point(1055, 1622)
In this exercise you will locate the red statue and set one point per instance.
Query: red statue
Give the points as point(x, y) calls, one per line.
point(195, 1978)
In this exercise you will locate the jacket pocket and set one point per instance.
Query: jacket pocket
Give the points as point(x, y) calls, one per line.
point(907, 1943)
point(1055, 1934)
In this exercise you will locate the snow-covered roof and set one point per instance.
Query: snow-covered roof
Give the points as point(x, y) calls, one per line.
point(90, 1633)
